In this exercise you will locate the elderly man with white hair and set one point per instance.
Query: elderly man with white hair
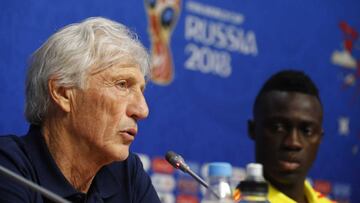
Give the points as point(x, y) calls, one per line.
point(84, 97)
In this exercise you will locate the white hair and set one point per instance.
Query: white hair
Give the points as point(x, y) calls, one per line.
point(69, 54)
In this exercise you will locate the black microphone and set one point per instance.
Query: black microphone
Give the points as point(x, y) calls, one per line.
point(178, 162)
point(37, 188)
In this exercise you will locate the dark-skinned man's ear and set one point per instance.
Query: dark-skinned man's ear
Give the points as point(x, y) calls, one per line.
point(322, 134)
point(251, 129)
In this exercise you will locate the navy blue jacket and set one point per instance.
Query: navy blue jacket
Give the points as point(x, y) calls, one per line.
point(121, 182)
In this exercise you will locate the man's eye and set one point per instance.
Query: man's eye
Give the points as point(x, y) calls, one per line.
point(308, 131)
point(123, 84)
point(278, 128)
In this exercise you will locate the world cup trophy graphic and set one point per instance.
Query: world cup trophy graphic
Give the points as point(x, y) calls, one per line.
point(162, 18)
point(348, 57)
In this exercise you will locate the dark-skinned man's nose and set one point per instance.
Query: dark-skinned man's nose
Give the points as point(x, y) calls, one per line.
point(292, 141)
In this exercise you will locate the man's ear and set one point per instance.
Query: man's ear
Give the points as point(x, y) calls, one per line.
point(60, 95)
point(251, 129)
point(322, 134)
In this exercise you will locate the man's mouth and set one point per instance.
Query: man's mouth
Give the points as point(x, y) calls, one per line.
point(131, 131)
point(289, 162)
point(128, 135)
point(289, 165)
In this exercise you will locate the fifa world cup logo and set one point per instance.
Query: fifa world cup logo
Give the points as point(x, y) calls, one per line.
point(162, 18)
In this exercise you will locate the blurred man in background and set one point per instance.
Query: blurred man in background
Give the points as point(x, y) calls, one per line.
point(287, 130)
point(84, 96)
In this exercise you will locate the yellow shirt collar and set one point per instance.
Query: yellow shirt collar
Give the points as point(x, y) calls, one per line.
point(312, 196)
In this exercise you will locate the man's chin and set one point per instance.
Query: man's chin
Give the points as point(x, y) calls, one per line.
point(288, 178)
point(124, 156)
point(284, 177)
point(118, 154)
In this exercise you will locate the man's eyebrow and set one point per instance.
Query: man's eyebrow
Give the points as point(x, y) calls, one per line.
point(131, 77)
point(124, 75)
point(120, 66)
point(276, 117)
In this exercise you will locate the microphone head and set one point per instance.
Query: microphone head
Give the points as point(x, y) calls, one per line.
point(170, 156)
point(176, 161)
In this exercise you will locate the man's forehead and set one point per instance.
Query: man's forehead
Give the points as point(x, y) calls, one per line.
point(274, 102)
point(119, 69)
point(115, 65)
point(117, 72)
point(286, 97)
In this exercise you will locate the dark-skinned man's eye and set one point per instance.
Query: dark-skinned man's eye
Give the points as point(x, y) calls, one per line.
point(278, 128)
point(308, 131)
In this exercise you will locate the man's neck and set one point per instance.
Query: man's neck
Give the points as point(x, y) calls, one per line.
point(294, 191)
point(73, 157)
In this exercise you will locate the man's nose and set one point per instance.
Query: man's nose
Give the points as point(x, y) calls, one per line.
point(138, 108)
point(292, 140)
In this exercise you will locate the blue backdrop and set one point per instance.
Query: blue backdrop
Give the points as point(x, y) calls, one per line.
point(218, 54)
